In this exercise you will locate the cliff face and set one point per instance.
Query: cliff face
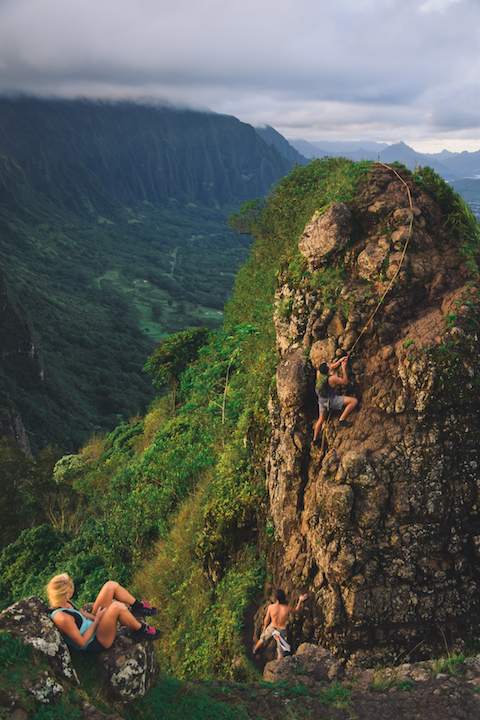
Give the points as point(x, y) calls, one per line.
point(87, 156)
point(381, 521)
point(18, 358)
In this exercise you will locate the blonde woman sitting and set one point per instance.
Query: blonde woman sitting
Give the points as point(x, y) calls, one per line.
point(95, 632)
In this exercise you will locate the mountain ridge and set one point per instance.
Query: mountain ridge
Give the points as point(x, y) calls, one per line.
point(112, 226)
point(135, 152)
point(451, 166)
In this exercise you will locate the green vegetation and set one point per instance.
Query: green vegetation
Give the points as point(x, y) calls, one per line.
point(387, 680)
point(173, 700)
point(469, 190)
point(461, 220)
point(113, 236)
point(181, 492)
point(170, 699)
point(337, 696)
point(98, 297)
point(19, 664)
point(451, 665)
point(173, 504)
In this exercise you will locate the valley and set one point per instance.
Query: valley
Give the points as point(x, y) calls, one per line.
point(107, 254)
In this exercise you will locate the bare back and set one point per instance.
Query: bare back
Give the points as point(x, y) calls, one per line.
point(279, 615)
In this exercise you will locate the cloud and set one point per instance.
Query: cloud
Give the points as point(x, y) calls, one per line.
point(325, 66)
point(437, 5)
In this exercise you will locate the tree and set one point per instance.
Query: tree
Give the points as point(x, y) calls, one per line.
point(174, 355)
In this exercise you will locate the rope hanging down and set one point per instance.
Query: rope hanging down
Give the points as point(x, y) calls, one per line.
point(401, 259)
point(389, 285)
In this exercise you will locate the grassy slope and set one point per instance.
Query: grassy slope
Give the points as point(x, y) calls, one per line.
point(199, 456)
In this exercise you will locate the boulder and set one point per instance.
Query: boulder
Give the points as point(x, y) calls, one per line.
point(129, 667)
point(29, 619)
point(91, 713)
point(295, 379)
point(322, 351)
point(326, 235)
point(44, 689)
point(312, 661)
point(370, 261)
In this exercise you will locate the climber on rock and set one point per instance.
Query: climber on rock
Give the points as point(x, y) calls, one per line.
point(275, 623)
point(327, 400)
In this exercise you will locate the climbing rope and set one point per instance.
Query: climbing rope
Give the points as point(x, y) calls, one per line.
point(388, 286)
point(401, 259)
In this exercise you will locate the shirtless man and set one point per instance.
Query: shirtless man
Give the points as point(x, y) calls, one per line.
point(332, 401)
point(276, 623)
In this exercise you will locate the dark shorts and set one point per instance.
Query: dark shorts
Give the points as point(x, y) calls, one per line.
point(95, 647)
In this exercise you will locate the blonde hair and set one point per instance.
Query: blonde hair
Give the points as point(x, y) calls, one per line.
point(57, 589)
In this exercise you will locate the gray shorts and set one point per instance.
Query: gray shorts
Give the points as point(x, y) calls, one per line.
point(336, 403)
point(268, 633)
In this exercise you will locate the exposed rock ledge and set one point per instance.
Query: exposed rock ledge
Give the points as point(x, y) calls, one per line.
point(430, 690)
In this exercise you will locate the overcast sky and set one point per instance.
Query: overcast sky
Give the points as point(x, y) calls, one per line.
point(385, 70)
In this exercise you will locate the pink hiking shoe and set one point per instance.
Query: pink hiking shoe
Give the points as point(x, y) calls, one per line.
point(148, 632)
point(142, 607)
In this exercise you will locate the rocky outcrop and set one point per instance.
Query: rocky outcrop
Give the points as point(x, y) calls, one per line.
point(11, 425)
point(325, 235)
point(310, 661)
point(18, 358)
point(446, 688)
point(381, 522)
point(128, 668)
point(29, 619)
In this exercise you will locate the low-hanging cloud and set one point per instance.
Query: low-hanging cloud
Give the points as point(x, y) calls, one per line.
point(310, 68)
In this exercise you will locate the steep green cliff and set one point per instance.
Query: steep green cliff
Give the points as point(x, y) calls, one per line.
point(98, 157)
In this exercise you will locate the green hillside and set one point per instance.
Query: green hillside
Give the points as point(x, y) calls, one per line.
point(112, 237)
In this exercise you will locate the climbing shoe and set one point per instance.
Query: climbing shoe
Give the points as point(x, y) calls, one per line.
point(345, 423)
point(142, 607)
point(148, 632)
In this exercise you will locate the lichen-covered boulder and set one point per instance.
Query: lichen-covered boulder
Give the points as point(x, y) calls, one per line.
point(29, 619)
point(129, 667)
point(44, 689)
